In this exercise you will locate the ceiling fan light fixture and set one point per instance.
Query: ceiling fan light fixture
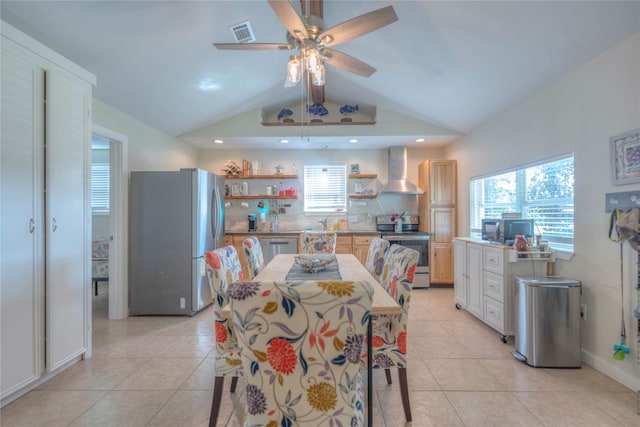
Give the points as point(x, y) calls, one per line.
point(294, 69)
point(312, 58)
point(317, 77)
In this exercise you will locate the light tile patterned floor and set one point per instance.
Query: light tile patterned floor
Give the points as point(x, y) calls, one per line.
point(158, 371)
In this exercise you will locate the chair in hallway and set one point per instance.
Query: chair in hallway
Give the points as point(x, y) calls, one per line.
point(301, 346)
point(375, 257)
point(253, 253)
point(99, 262)
point(313, 242)
point(389, 340)
point(223, 268)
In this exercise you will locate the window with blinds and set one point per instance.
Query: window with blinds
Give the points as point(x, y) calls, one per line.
point(542, 191)
point(100, 187)
point(325, 188)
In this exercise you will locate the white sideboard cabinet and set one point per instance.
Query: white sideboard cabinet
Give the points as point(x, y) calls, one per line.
point(484, 280)
point(45, 218)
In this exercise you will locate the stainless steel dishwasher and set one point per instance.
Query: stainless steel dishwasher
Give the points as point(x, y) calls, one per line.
point(272, 246)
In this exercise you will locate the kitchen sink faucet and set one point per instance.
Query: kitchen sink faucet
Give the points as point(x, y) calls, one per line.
point(323, 221)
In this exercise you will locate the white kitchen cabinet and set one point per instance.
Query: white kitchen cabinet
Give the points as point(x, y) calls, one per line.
point(468, 276)
point(45, 219)
point(484, 276)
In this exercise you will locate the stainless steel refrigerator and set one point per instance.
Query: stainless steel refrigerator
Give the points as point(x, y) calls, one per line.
point(174, 219)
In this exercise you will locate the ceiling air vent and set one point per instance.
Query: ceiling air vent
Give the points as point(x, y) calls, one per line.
point(242, 32)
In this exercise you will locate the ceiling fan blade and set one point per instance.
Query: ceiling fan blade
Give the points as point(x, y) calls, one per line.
point(252, 46)
point(347, 62)
point(358, 26)
point(289, 17)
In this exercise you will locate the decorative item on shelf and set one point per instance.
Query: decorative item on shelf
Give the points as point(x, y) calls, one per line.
point(355, 168)
point(279, 169)
point(232, 169)
point(346, 110)
point(317, 110)
point(284, 115)
point(256, 167)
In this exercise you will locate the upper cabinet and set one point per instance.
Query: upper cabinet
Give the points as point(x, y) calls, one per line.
point(441, 183)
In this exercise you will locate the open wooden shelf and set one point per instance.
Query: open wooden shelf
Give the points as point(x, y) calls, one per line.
point(260, 176)
point(363, 175)
point(319, 124)
point(363, 196)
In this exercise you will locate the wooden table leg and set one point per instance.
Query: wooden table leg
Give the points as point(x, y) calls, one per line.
point(369, 374)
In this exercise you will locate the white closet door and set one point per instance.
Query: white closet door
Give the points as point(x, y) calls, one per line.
point(21, 221)
point(67, 255)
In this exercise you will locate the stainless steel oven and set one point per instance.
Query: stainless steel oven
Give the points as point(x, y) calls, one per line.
point(411, 238)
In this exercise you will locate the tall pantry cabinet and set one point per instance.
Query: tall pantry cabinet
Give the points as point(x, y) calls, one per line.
point(45, 212)
point(437, 207)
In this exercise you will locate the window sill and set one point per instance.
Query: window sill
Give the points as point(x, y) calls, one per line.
point(563, 255)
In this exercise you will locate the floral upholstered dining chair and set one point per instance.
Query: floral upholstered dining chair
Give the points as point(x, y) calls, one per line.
point(253, 253)
point(375, 257)
point(301, 346)
point(389, 341)
point(223, 268)
point(317, 243)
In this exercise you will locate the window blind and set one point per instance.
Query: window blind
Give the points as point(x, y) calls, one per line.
point(543, 192)
point(100, 187)
point(325, 188)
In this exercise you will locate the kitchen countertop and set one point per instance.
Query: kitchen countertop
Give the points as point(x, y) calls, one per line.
point(296, 232)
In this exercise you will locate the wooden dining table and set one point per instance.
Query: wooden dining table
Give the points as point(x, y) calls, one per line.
point(350, 269)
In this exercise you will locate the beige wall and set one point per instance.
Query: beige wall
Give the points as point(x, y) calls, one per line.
point(577, 113)
point(149, 149)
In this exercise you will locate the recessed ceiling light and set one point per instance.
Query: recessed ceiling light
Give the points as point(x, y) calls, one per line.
point(353, 140)
point(218, 141)
point(208, 85)
point(420, 140)
point(284, 141)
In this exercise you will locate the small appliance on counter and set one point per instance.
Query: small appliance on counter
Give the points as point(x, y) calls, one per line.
point(504, 230)
point(252, 222)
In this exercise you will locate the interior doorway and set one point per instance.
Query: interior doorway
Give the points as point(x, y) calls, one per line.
point(114, 228)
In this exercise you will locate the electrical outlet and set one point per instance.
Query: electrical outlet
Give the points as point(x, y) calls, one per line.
point(583, 311)
point(182, 304)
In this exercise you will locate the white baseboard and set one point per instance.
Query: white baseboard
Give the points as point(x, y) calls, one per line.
point(630, 381)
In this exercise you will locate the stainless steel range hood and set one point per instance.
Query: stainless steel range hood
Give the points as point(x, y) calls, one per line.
point(398, 183)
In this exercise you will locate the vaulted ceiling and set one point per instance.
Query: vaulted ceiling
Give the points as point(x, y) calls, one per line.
point(442, 69)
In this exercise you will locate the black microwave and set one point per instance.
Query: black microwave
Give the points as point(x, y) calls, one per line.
point(505, 230)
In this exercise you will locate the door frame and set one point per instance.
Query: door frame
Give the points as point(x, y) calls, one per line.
point(118, 221)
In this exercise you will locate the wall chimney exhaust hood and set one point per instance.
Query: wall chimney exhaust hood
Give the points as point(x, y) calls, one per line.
point(398, 183)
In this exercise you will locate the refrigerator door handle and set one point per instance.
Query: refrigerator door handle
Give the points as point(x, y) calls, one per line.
point(215, 214)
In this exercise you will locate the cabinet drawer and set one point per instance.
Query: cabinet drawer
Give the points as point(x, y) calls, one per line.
point(494, 286)
point(494, 260)
point(493, 313)
point(362, 240)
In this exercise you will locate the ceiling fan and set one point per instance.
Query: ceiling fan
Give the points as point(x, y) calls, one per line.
point(307, 35)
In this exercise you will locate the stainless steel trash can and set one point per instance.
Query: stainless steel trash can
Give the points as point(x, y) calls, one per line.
point(547, 322)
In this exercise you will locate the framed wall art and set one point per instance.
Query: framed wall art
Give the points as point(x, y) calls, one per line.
point(625, 158)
